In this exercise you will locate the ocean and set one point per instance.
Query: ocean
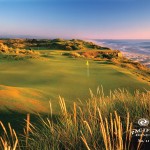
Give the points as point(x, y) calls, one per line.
point(137, 50)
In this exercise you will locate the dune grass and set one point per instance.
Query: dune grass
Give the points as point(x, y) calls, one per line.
point(104, 123)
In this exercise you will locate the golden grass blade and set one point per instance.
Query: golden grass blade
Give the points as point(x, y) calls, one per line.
point(139, 143)
point(27, 128)
point(88, 127)
point(3, 142)
point(108, 133)
point(10, 129)
point(3, 127)
point(84, 141)
point(50, 107)
point(75, 113)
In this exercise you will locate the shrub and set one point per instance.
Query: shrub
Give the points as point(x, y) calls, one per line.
point(75, 47)
point(77, 55)
point(66, 54)
point(68, 48)
point(3, 48)
point(108, 56)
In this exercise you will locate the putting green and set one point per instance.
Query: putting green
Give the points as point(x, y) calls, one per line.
point(27, 84)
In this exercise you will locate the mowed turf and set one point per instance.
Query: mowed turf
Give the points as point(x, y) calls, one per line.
point(29, 85)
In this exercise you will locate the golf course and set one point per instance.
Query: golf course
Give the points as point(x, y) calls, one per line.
point(53, 91)
point(29, 85)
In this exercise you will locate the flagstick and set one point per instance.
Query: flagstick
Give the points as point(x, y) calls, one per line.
point(88, 71)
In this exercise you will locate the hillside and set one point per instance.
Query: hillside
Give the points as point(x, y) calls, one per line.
point(58, 44)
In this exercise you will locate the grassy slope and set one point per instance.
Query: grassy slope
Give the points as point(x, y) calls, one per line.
point(34, 82)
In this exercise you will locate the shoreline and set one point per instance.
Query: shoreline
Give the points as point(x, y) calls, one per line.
point(135, 56)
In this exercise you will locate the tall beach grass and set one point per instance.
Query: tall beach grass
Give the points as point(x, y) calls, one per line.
point(103, 123)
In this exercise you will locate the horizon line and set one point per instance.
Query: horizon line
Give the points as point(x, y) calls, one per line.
point(55, 37)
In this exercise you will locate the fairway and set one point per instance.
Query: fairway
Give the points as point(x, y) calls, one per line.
point(28, 85)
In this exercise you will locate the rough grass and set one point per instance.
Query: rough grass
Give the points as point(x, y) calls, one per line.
point(104, 123)
point(137, 68)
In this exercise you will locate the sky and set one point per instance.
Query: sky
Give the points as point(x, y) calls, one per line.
point(85, 19)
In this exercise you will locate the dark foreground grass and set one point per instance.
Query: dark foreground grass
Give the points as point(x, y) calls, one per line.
point(104, 123)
